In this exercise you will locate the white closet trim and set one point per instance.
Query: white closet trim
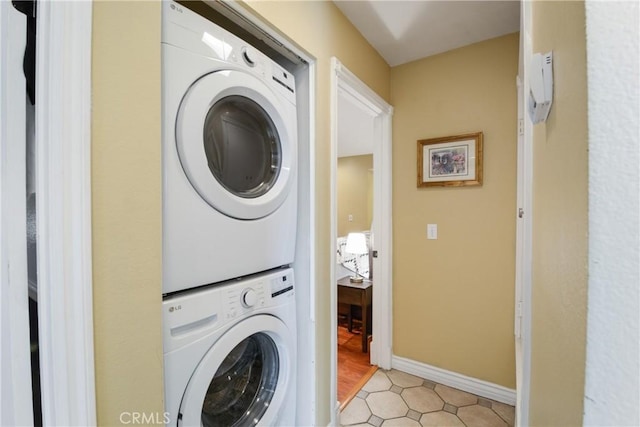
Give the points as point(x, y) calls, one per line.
point(63, 182)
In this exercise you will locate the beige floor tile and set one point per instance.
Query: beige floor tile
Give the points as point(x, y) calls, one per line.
point(422, 399)
point(403, 379)
point(387, 404)
point(479, 416)
point(455, 397)
point(440, 419)
point(508, 413)
point(378, 382)
point(356, 412)
point(401, 422)
point(402, 410)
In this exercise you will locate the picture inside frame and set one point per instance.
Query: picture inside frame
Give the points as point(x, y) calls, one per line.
point(450, 161)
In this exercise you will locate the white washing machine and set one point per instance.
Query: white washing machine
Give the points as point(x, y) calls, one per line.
point(229, 154)
point(230, 352)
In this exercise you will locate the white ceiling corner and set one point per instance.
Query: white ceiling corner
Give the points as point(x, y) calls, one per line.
point(404, 31)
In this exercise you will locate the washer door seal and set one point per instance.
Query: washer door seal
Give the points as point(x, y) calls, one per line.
point(234, 145)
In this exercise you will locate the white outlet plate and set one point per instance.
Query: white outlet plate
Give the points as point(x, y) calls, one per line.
point(432, 231)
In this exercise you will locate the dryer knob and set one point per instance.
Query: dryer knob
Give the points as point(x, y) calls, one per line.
point(249, 55)
point(249, 298)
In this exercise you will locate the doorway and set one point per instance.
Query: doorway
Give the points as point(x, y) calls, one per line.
point(354, 188)
point(361, 140)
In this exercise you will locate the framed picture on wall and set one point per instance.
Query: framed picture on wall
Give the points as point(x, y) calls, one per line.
point(450, 161)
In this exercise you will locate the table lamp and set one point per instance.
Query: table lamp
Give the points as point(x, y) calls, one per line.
point(356, 245)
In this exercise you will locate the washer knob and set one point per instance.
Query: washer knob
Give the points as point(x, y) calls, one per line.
point(249, 55)
point(249, 298)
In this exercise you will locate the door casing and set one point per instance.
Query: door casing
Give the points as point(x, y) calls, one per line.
point(381, 112)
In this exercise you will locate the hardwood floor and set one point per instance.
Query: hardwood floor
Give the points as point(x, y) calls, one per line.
point(354, 369)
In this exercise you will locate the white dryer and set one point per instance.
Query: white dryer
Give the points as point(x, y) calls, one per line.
point(229, 154)
point(230, 352)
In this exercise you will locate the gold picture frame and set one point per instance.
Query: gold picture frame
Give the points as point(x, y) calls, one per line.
point(450, 161)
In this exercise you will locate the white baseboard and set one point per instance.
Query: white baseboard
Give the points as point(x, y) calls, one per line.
point(335, 421)
point(452, 379)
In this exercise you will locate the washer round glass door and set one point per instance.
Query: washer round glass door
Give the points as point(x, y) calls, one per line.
point(243, 378)
point(234, 145)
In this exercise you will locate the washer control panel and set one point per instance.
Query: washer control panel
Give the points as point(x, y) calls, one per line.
point(199, 312)
point(241, 300)
point(282, 284)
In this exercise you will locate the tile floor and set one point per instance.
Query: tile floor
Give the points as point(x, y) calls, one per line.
point(394, 398)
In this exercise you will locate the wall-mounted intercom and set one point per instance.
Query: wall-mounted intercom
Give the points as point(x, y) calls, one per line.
point(541, 86)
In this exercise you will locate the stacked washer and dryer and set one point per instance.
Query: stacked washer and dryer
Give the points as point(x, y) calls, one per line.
point(229, 150)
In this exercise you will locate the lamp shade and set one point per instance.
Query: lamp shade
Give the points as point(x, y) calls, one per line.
point(356, 244)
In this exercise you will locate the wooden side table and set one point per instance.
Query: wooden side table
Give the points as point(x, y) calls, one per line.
point(358, 294)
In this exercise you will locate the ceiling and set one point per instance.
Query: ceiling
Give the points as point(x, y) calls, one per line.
point(355, 127)
point(404, 31)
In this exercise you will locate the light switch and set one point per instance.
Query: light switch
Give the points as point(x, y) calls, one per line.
point(432, 231)
point(350, 218)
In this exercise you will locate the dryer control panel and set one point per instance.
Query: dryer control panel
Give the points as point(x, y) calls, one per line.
point(183, 28)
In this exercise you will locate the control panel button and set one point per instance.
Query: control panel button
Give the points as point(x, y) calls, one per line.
point(250, 56)
point(249, 298)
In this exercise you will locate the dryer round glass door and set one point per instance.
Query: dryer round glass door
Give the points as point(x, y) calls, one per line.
point(242, 146)
point(243, 378)
point(234, 144)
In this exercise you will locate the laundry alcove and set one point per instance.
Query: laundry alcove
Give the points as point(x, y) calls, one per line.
point(243, 22)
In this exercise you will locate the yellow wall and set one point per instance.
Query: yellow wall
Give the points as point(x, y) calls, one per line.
point(560, 222)
point(453, 298)
point(321, 29)
point(355, 191)
point(126, 209)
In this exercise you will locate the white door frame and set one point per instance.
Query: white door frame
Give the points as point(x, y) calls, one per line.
point(381, 350)
point(63, 199)
point(522, 327)
point(15, 360)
